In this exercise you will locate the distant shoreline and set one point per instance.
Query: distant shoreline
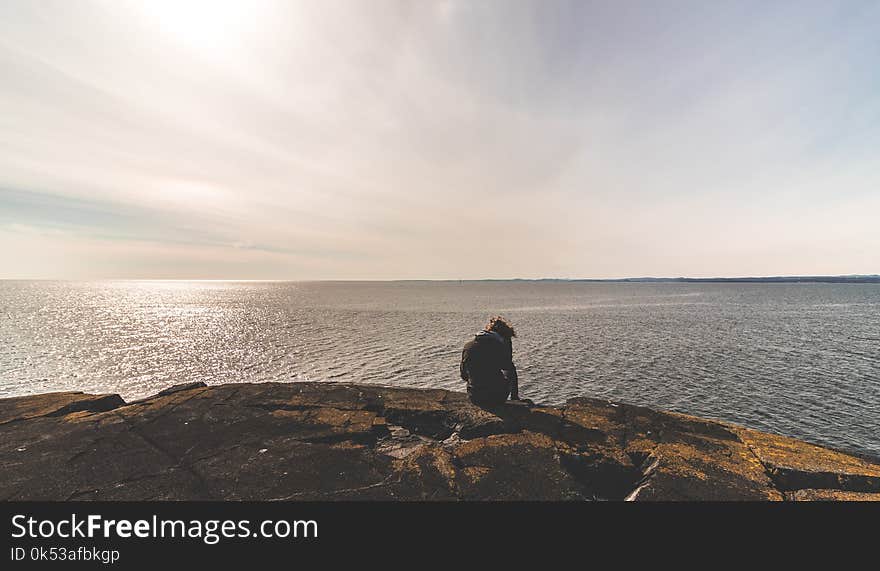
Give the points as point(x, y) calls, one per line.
point(856, 279)
point(850, 279)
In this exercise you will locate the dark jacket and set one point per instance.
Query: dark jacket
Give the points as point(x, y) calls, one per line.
point(487, 367)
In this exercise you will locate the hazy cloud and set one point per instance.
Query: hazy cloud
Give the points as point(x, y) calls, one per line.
point(318, 140)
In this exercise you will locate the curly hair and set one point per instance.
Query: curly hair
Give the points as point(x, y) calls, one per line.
point(500, 326)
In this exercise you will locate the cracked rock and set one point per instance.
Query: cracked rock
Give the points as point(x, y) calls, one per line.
point(338, 441)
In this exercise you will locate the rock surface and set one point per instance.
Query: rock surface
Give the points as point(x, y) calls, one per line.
point(331, 441)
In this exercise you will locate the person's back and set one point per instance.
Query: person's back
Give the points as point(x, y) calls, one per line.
point(487, 365)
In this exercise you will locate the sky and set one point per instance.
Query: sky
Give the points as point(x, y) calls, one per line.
point(214, 139)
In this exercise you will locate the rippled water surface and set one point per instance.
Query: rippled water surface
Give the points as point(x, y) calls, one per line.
point(796, 359)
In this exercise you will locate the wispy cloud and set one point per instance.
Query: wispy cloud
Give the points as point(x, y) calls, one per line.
point(449, 139)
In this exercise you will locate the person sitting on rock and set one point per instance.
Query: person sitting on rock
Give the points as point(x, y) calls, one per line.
point(487, 365)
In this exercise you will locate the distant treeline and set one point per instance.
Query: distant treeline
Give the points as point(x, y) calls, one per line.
point(855, 279)
point(871, 279)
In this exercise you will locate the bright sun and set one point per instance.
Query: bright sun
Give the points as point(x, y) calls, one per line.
point(212, 27)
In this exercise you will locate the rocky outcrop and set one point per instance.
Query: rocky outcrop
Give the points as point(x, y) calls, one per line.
point(330, 441)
